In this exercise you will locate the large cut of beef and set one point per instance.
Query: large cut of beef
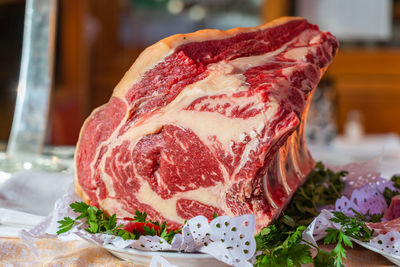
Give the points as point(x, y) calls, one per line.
point(211, 121)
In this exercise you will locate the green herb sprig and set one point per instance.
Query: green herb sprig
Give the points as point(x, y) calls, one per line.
point(281, 242)
point(99, 222)
point(96, 219)
point(341, 240)
point(388, 193)
point(323, 187)
point(282, 245)
point(349, 227)
point(374, 218)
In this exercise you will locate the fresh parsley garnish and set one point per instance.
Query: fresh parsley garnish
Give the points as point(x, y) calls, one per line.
point(323, 259)
point(338, 237)
point(352, 226)
point(388, 193)
point(168, 235)
point(367, 217)
point(140, 217)
point(65, 225)
point(396, 180)
point(282, 247)
point(323, 187)
point(349, 227)
point(99, 222)
point(282, 242)
point(126, 234)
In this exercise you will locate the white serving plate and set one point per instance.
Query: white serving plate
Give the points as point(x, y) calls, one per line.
point(180, 259)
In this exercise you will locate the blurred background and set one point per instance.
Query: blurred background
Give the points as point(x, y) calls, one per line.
point(358, 100)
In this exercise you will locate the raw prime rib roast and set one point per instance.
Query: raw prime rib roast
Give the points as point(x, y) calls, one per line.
point(211, 121)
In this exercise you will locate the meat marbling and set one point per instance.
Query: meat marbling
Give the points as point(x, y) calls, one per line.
point(211, 121)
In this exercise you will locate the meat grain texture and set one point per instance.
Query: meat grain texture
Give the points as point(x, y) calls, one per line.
point(211, 121)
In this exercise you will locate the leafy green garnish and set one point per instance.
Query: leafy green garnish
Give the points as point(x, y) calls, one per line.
point(96, 219)
point(396, 180)
point(149, 230)
point(374, 218)
point(323, 259)
point(99, 222)
point(349, 227)
point(352, 227)
point(389, 193)
point(322, 188)
point(167, 234)
point(65, 225)
point(338, 237)
point(281, 247)
point(140, 217)
point(282, 242)
point(126, 234)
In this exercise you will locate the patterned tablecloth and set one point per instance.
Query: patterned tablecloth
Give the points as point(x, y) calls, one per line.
point(56, 253)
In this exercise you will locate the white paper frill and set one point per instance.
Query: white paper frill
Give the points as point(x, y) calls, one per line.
point(363, 193)
point(230, 240)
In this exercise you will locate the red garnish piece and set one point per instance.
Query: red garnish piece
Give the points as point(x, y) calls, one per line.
point(138, 226)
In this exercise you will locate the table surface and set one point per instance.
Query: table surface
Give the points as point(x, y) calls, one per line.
point(53, 252)
point(80, 253)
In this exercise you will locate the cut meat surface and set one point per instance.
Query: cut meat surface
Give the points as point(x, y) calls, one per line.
point(385, 227)
point(211, 121)
point(393, 212)
point(391, 218)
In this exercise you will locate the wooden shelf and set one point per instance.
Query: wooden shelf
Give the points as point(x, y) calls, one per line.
point(369, 81)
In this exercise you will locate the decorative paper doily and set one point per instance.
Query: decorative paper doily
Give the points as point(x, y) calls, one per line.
point(359, 174)
point(230, 240)
point(364, 188)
